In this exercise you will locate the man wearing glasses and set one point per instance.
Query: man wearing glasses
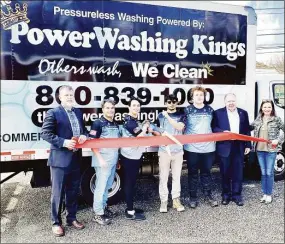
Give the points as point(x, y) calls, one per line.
point(105, 162)
point(170, 156)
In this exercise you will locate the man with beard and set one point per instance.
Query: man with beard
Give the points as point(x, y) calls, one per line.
point(105, 162)
point(61, 124)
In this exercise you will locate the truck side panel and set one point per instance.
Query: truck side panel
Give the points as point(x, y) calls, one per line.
point(116, 49)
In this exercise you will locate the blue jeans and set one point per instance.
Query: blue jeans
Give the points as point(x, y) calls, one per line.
point(266, 162)
point(104, 180)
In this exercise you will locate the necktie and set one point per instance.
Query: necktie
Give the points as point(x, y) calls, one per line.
point(74, 123)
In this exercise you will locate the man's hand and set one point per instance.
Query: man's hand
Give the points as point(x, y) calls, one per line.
point(145, 127)
point(164, 113)
point(246, 151)
point(146, 122)
point(101, 160)
point(70, 144)
point(149, 129)
point(82, 139)
point(168, 150)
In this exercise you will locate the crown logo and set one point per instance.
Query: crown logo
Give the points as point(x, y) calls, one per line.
point(14, 17)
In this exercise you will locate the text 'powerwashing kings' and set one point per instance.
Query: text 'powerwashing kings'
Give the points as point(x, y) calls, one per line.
point(111, 38)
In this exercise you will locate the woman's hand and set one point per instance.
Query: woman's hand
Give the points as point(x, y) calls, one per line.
point(274, 142)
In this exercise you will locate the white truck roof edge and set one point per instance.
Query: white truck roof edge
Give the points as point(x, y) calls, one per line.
point(198, 5)
point(252, 17)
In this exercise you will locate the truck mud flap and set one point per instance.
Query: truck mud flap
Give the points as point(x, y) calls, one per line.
point(40, 177)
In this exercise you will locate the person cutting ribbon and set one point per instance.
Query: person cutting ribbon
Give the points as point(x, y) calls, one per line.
point(104, 162)
point(231, 153)
point(170, 157)
point(131, 157)
point(61, 125)
point(199, 156)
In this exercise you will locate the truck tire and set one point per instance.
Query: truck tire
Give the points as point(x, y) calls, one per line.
point(279, 166)
point(251, 167)
point(88, 185)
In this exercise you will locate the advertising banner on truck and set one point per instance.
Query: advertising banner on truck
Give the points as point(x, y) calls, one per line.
point(107, 49)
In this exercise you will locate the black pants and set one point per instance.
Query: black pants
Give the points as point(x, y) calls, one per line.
point(231, 169)
point(65, 184)
point(204, 162)
point(130, 169)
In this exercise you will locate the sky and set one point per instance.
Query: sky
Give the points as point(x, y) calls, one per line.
point(270, 20)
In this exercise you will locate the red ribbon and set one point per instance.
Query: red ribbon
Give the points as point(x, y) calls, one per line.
point(163, 140)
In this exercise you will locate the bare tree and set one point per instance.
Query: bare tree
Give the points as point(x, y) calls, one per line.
point(277, 63)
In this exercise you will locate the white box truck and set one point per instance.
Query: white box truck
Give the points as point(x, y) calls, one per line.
point(115, 49)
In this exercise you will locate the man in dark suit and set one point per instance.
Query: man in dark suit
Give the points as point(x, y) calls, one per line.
point(231, 153)
point(60, 125)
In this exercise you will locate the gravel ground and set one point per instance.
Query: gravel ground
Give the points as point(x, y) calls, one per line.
point(25, 218)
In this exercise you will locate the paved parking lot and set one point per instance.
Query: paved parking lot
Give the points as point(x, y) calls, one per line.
point(25, 218)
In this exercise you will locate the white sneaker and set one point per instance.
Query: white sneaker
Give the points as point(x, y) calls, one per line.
point(263, 199)
point(177, 204)
point(163, 207)
point(268, 199)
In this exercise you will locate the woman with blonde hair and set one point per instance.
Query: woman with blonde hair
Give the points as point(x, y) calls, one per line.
point(268, 126)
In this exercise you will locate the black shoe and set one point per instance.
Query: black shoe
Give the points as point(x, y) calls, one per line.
point(110, 214)
point(101, 219)
point(135, 216)
point(139, 211)
point(193, 204)
point(238, 202)
point(211, 201)
point(139, 217)
point(225, 200)
point(129, 216)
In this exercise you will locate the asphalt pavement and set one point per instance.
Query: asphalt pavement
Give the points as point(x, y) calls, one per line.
point(25, 217)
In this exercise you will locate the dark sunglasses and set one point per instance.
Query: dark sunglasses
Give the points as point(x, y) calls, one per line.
point(172, 101)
